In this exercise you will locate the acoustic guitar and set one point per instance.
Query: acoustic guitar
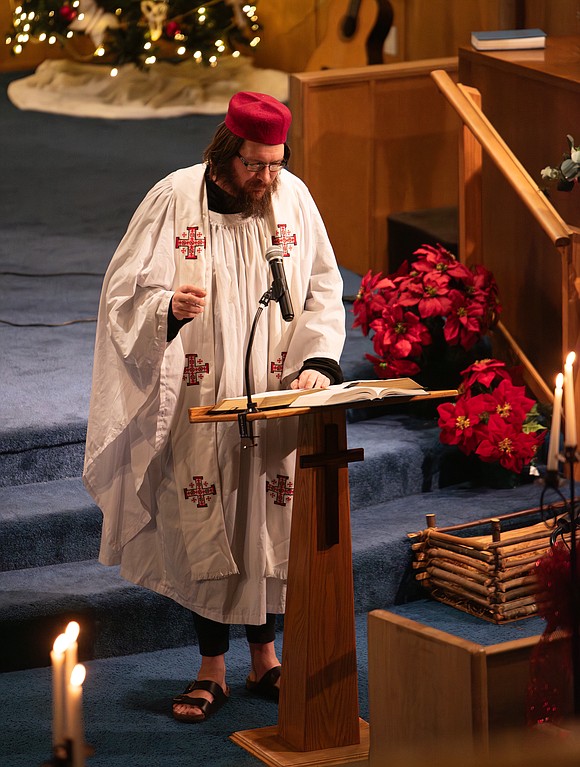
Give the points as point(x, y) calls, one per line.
point(355, 36)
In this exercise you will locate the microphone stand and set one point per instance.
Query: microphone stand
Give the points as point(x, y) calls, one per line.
point(245, 426)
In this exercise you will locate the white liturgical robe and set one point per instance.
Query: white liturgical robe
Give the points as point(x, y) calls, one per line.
point(186, 511)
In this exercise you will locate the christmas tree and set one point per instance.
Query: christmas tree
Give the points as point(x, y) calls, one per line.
point(141, 32)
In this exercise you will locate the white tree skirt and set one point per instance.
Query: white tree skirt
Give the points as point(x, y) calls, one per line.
point(162, 90)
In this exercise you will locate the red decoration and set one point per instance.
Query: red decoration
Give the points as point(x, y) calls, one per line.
point(285, 238)
point(67, 13)
point(191, 243)
point(172, 29)
point(550, 691)
point(552, 573)
point(492, 418)
point(194, 370)
point(278, 366)
point(433, 297)
point(281, 490)
point(199, 492)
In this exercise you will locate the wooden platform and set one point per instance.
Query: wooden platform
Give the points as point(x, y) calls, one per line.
point(265, 744)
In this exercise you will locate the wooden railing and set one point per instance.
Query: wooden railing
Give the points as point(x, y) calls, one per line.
point(479, 136)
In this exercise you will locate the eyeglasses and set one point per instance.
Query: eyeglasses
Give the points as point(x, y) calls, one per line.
point(256, 167)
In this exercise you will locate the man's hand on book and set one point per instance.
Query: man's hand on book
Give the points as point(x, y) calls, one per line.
point(310, 379)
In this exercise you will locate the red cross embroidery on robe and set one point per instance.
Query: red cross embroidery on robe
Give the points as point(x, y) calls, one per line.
point(278, 366)
point(194, 369)
point(281, 490)
point(198, 491)
point(285, 238)
point(191, 242)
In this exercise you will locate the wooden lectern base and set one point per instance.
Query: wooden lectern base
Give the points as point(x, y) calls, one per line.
point(265, 744)
point(318, 721)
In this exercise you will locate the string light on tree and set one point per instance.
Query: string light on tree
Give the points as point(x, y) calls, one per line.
point(172, 28)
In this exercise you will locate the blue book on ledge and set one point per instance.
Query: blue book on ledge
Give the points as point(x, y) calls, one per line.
point(506, 39)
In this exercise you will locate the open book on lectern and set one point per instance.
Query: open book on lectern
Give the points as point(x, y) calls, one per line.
point(349, 391)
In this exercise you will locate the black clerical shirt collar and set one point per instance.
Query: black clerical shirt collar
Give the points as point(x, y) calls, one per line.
point(218, 199)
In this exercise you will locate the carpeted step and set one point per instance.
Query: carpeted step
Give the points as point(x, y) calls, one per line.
point(47, 523)
point(43, 432)
point(382, 554)
point(120, 618)
point(30, 455)
point(402, 457)
point(117, 617)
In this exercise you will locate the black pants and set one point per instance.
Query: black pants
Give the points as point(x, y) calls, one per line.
point(214, 637)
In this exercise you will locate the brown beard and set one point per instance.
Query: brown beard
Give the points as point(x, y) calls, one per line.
point(244, 201)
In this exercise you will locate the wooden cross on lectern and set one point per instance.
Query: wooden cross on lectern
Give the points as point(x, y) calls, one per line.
point(331, 461)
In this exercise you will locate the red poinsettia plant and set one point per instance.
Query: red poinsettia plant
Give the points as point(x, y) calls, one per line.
point(493, 418)
point(429, 304)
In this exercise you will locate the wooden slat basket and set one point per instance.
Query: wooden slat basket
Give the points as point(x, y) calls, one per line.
point(489, 575)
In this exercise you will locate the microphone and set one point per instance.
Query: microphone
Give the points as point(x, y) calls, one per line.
point(280, 293)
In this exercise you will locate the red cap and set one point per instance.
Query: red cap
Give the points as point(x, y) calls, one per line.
point(258, 117)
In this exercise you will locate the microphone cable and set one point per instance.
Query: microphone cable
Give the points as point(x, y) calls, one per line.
point(80, 320)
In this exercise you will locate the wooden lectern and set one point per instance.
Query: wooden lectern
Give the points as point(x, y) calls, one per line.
point(318, 721)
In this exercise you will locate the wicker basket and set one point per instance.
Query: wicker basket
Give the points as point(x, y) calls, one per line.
point(490, 574)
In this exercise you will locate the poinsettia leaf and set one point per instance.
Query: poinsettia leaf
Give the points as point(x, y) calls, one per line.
point(532, 427)
point(570, 141)
point(535, 412)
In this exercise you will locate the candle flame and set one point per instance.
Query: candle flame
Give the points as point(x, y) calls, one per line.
point(78, 674)
point(571, 358)
point(72, 631)
point(60, 644)
point(559, 381)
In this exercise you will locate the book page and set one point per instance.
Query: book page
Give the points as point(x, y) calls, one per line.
point(386, 385)
point(262, 400)
point(349, 391)
point(356, 391)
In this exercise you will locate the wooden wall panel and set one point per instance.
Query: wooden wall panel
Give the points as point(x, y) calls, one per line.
point(333, 154)
point(435, 28)
point(556, 17)
point(369, 142)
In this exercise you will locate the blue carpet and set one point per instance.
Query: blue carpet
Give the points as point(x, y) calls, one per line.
point(127, 711)
point(127, 700)
point(468, 627)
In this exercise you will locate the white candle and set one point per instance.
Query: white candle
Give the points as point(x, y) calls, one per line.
point(554, 446)
point(71, 656)
point(74, 716)
point(570, 439)
point(57, 657)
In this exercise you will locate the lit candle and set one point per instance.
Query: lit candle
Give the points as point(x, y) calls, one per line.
point(71, 656)
point(74, 716)
point(554, 446)
point(57, 657)
point(570, 439)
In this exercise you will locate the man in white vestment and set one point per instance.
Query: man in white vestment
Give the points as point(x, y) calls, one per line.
point(187, 511)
